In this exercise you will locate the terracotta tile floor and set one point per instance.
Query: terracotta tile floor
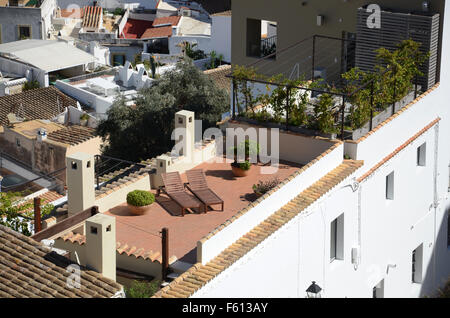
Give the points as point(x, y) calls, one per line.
point(184, 232)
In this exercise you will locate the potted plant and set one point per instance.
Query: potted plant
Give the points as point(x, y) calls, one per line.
point(262, 187)
point(139, 201)
point(84, 119)
point(247, 149)
point(241, 169)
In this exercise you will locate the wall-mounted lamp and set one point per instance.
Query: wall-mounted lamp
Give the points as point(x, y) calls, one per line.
point(313, 291)
point(320, 19)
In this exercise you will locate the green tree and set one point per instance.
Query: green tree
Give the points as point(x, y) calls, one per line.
point(142, 289)
point(144, 131)
point(17, 215)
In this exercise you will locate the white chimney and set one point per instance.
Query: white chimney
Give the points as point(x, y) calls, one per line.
point(174, 30)
point(80, 182)
point(101, 244)
point(185, 122)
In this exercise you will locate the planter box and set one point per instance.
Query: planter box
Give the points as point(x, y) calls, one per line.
point(300, 130)
point(379, 118)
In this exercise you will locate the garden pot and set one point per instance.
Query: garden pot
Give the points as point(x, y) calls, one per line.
point(139, 210)
point(238, 172)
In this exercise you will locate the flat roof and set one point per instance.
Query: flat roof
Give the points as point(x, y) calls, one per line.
point(47, 55)
point(142, 231)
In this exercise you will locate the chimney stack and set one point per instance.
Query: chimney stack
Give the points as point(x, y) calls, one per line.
point(186, 120)
point(101, 244)
point(80, 182)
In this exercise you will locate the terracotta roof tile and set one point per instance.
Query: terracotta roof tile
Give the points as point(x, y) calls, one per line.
point(122, 248)
point(192, 280)
point(397, 150)
point(29, 269)
point(218, 76)
point(72, 135)
point(39, 103)
point(92, 17)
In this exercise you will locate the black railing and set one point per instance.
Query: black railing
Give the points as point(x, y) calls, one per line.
point(269, 46)
point(109, 169)
point(345, 120)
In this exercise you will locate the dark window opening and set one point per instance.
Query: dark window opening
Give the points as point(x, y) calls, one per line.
point(160, 46)
point(261, 38)
point(24, 32)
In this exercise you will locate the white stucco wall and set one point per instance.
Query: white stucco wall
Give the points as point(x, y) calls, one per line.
point(221, 36)
point(386, 231)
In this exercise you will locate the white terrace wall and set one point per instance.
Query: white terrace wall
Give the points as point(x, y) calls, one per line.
point(119, 196)
point(22, 70)
point(293, 147)
point(209, 248)
point(123, 261)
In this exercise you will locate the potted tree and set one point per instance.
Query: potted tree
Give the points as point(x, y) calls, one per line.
point(139, 201)
point(247, 149)
point(84, 119)
point(262, 187)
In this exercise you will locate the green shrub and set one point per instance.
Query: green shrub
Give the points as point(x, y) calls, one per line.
point(119, 11)
point(142, 289)
point(246, 165)
point(140, 198)
point(30, 85)
point(263, 187)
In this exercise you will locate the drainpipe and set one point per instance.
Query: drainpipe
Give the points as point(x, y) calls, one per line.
point(435, 195)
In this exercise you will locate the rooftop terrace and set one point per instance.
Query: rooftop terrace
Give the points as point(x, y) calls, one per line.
point(143, 231)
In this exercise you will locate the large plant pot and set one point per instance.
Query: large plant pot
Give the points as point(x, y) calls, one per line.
point(238, 172)
point(139, 210)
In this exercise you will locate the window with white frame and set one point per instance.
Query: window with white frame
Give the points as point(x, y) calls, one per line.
point(416, 262)
point(337, 238)
point(422, 155)
point(390, 186)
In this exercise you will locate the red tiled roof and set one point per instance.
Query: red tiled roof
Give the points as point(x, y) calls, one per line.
point(161, 32)
point(121, 248)
point(397, 150)
point(173, 20)
point(135, 28)
point(92, 17)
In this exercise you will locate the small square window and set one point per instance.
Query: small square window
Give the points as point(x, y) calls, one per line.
point(416, 264)
point(108, 228)
point(88, 164)
point(190, 119)
point(422, 155)
point(18, 142)
point(180, 120)
point(74, 165)
point(390, 186)
point(93, 230)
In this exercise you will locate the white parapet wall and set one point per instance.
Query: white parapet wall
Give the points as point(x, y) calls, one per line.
point(119, 195)
point(209, 248)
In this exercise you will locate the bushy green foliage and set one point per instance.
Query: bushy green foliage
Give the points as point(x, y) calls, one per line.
point(119, 11)
point(140, 198)
point(30, 85)
point(17, 215)
point(142, 289)
point(395, 70)
point(246, 165)
point(323, 114)
point(144, 131)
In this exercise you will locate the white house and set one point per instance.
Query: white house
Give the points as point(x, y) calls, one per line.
point(373, 225)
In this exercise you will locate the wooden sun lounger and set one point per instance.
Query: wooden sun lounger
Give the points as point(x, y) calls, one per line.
point(199, 187)
point(173, 187)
